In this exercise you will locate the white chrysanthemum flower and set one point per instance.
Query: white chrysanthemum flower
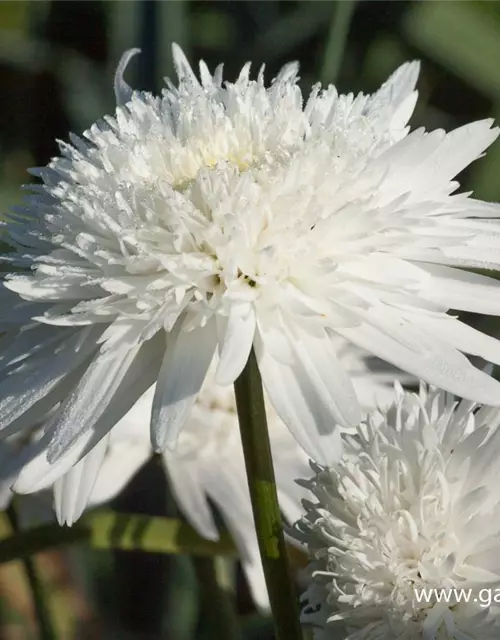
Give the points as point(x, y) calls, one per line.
point(206, 467)
point(413, 504)
point(226, 215)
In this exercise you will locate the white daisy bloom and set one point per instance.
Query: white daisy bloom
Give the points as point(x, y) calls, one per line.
point(208, 463)
point(221, 216)
point(413, 505)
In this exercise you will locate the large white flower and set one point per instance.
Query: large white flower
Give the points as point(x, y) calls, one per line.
point(412, 505)
point(234, 214)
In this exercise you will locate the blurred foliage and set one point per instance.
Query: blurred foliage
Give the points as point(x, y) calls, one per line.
point(56, 68)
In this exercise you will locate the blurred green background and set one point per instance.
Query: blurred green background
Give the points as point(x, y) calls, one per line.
point(57, 60)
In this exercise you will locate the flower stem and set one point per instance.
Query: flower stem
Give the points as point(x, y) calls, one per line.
point(260, 474)
point(337, 37)
point(45, 627)
point(216, 601)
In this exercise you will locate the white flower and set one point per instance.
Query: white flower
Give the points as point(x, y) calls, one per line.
point(413, 504)
point(207, 464)
point(226, 215)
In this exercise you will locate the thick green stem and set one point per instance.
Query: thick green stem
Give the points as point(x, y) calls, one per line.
point(335, 45)
point(216, 601)
point(260, 474)
point(45, 628)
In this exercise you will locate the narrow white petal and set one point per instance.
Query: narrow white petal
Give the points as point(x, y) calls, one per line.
point(72, 491)
point(298, 405)
point(410, 347)
point(123, 92)
point(290, 464)
point(463, 337)
point(397, 87)
point(28, 383)
point(38, 473)
point(460, 147)
point(140, 375)
point(91, 396)
point(187, 481)
point(29, 341)
point(226, 484)
point(316, 356)
point(123, 460)
point(403, 113)
point(459, 289)
point(185, 364)
point(235, 346)
point(182, 66)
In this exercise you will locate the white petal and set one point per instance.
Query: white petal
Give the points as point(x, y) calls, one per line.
point(28, 383)
point(134, 426)
point(460, 147)
point(72, 491)
point(399, 86)
point(297, 403)
point(28, 342)
point(182, 66)
point(187, 482)
point(459, 289)
point(38, 473)
point(235, 345)
point(185, 364)
point(123, 460)
point(91, 396)
point(419, 352)
point(290, 464)
point(424, 162)
point(316, 357)
point(226, 484)
point(123, 93)
point(403, 114)
point(462, 337)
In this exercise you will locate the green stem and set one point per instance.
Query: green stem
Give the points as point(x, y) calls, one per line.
point(260, 474)
point(107, 529)
point(216, 601)
point(337, 37)
point(45, 628)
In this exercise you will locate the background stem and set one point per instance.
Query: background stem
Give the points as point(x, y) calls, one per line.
point(262, 484)
point(44, 621)
point(337, 38)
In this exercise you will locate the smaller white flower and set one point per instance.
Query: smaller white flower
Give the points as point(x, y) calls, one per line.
point(207, 468)
point(413, 504)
